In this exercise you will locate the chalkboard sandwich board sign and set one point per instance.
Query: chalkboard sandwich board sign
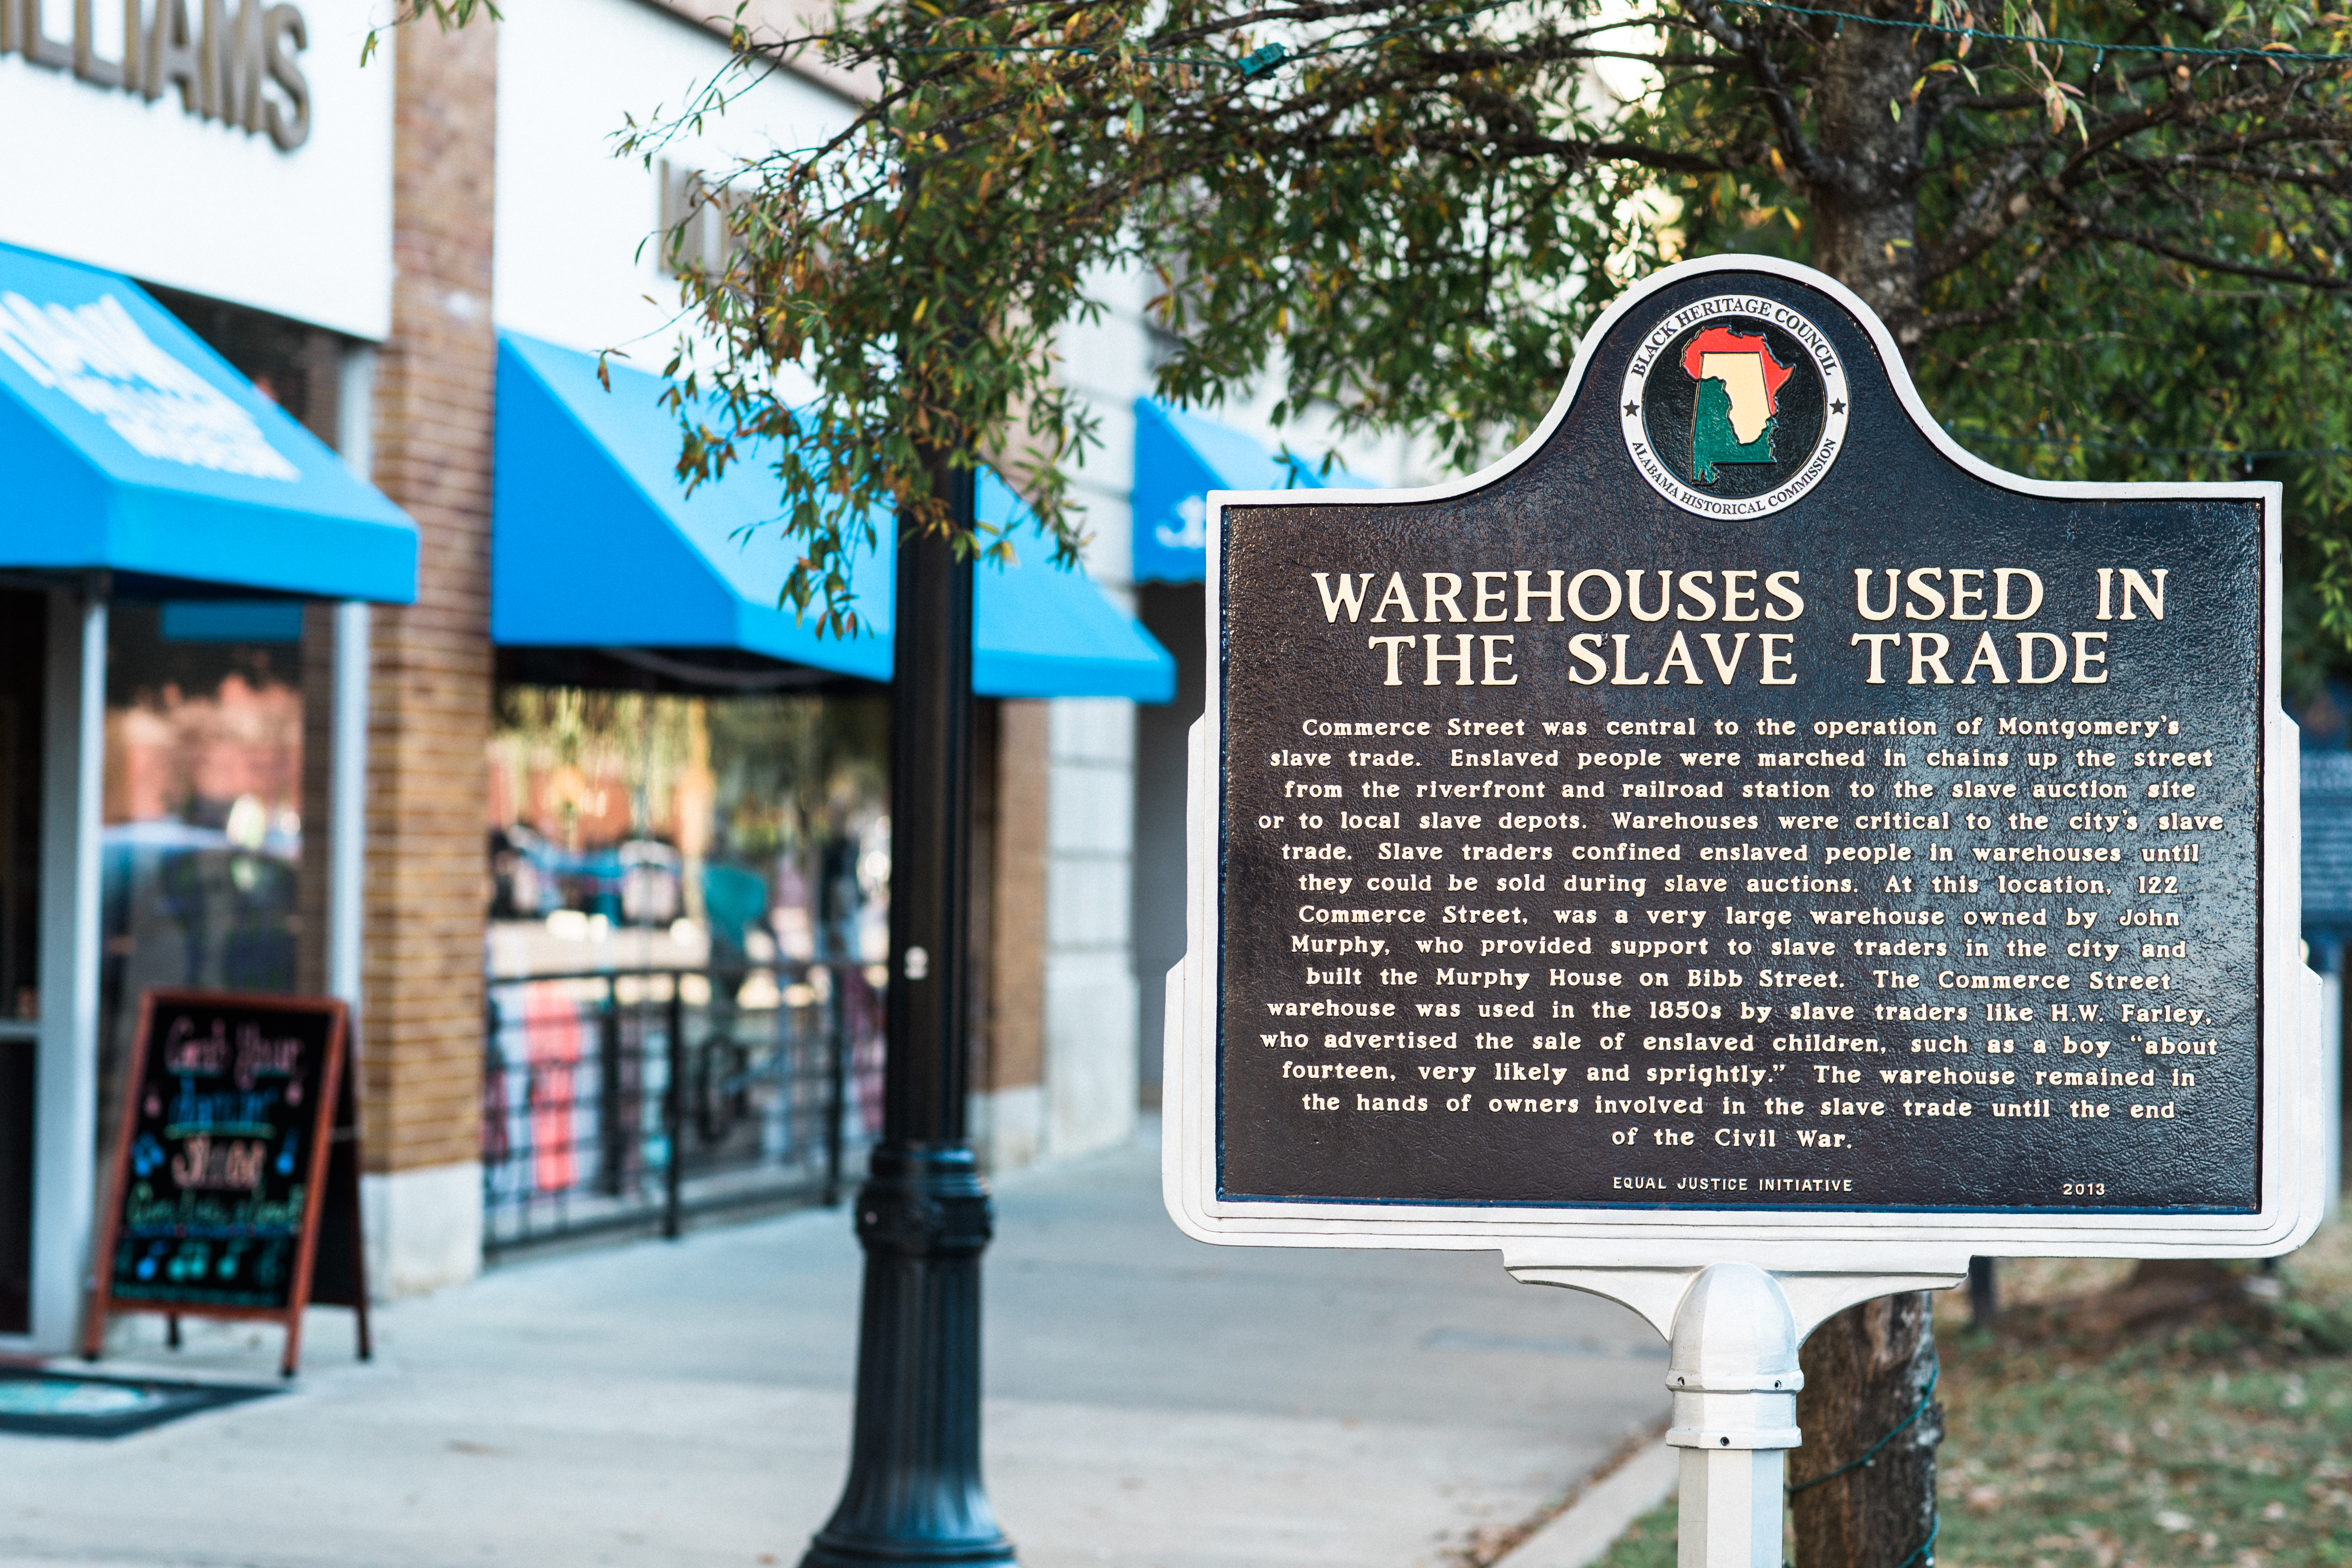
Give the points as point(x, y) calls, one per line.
point(1744, 826)
point(238, 1152)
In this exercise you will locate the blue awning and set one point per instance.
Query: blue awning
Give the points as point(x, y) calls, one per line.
point(595, 543)
point(127, 444)
point(1178, 458)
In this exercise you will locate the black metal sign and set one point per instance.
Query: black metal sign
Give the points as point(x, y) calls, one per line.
point(1743, 801)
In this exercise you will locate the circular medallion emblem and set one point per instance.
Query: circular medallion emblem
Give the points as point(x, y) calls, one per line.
point(1734, 407)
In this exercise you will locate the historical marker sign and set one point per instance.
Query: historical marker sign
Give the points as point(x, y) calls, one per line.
point(1744, 817)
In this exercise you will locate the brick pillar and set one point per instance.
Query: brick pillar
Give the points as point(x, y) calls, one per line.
point(1008, 1091)
point(421, 1023)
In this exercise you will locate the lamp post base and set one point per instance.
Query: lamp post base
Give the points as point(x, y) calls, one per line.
point(914, 1494)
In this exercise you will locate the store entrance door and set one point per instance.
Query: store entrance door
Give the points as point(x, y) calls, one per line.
point(23, 665)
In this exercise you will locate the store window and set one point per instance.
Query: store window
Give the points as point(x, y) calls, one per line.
point(201, 848)
point(645, 830)
point(297, 367)
point(688, 903)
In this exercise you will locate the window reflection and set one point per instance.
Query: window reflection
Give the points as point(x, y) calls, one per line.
point(638, 830)
point(202, 846)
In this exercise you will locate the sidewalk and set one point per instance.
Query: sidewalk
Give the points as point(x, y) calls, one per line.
point(1152, 1403)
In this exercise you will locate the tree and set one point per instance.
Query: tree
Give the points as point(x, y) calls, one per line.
point(1407, 210)
point(2113, 241)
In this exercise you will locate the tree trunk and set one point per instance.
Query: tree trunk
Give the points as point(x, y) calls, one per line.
point(1866, 1368)
point(1865, 190)
point(1866, 1371)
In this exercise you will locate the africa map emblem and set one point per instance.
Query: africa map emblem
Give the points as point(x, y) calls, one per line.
point(1739, 385)
point(1734, 407)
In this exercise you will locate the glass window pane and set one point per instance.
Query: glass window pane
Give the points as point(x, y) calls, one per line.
point(636, 830)
point(201, 850)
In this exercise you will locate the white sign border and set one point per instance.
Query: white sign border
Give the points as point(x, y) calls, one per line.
point(1798, 1240)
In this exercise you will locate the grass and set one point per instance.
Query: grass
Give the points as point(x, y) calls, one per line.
point(1648, 1542)
point(2152, 1464)
point(2218, 1440)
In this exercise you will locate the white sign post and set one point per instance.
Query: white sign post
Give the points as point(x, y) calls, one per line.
point(1742, 855)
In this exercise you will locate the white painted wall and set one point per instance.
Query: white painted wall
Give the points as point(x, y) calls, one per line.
point(1090, 983)
point(1091, 1016)
point(424, 1228)
point(574, 263)
point(1008, 1126)
point(101, 175)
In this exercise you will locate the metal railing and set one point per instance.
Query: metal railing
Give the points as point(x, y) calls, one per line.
point(635, 1099)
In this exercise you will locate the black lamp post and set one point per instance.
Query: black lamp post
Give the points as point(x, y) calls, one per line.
point(914, 1493)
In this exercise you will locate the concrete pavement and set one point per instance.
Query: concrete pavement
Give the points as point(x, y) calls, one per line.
point(1151, 1403)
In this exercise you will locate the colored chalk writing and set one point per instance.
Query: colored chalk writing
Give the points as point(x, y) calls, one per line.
point(230, 1120)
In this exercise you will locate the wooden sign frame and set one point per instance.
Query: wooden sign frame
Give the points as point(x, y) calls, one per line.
point(331, 1179)
point(1820, 1240)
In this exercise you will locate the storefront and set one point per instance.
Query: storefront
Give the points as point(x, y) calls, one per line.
point(184, 558)
point(688, 815)
point(573, 716)
point(181, 749)
point(638, 629)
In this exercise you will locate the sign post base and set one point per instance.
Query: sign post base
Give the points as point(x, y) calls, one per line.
point(1734, 1331)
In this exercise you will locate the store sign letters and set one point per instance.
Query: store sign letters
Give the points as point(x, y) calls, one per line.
point(230, 62)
